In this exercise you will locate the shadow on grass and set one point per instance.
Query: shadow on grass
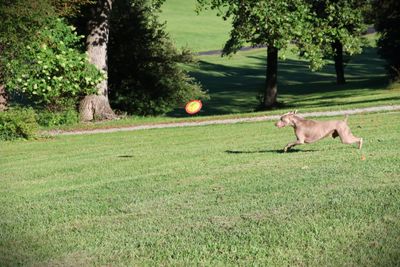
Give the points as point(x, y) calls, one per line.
point(279, 151)
point(235, 84)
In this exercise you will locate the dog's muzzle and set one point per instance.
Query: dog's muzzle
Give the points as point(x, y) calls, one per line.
point(280, 124)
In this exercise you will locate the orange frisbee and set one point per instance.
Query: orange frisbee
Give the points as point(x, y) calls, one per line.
point(193, 106)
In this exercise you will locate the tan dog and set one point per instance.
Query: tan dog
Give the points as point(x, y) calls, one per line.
point(309, 131)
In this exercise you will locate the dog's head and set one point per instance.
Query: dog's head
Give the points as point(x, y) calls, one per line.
point(286, 119)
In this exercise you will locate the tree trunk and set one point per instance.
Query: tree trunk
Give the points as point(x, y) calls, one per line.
point(98, 106)
point(3, 94)
point(338, 58)
point(3, 98)
point(271, 87)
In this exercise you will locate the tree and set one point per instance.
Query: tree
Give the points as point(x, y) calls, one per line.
point(337, 30)
point(387, 23)
point(98, 106)
point(145, 74)
point(273, 24)
point(3, 94)
point(95, 14)
point(125, 40)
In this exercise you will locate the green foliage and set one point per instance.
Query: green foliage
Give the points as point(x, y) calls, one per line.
point(70, 8)
point(145, 75)
point(20, 19)
point(330, 22)
point(18, 123)
point(52, 72)
point(49, 118)
point(387, 23)
point(270, 23)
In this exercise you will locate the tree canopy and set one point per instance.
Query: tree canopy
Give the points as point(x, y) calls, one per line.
point(337, 31)
point(274, 24)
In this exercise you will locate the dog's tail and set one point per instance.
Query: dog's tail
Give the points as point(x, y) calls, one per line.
point(346, 118)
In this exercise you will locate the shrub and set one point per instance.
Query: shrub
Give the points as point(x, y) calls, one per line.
point(18, 123)
point(48, 118)
point(51, 72)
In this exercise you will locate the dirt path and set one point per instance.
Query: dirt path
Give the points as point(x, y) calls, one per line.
point(223, 121)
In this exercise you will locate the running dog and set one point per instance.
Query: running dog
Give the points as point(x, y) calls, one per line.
point(310, 131)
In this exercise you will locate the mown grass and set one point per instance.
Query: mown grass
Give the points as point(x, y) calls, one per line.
point(198, 32)
point(215, 195)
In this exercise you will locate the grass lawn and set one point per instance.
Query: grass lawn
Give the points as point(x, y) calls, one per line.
point(214, 195)
point(198, 32)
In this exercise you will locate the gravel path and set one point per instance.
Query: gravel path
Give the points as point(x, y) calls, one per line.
point(224, 121)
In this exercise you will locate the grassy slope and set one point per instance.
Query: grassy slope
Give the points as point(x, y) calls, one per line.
point(217, 195)
point(201, 32)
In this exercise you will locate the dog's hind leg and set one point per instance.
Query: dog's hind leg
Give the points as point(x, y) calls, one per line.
point(347, 137)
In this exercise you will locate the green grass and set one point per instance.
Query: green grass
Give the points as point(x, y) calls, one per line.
point(198, 32)
point(215, 195)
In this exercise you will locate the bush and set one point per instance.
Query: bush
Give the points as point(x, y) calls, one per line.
point(18, 123)
point(51, 71)
point(48, 118)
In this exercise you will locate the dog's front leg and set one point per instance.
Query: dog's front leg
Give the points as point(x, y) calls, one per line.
point(290, 145)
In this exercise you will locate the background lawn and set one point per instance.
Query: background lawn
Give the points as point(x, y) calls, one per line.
point(198, 32)
point(215, 195)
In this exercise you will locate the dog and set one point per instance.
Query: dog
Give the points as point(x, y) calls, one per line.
point(310, 131)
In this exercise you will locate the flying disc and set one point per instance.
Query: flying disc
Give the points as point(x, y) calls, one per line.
point(193, 106)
